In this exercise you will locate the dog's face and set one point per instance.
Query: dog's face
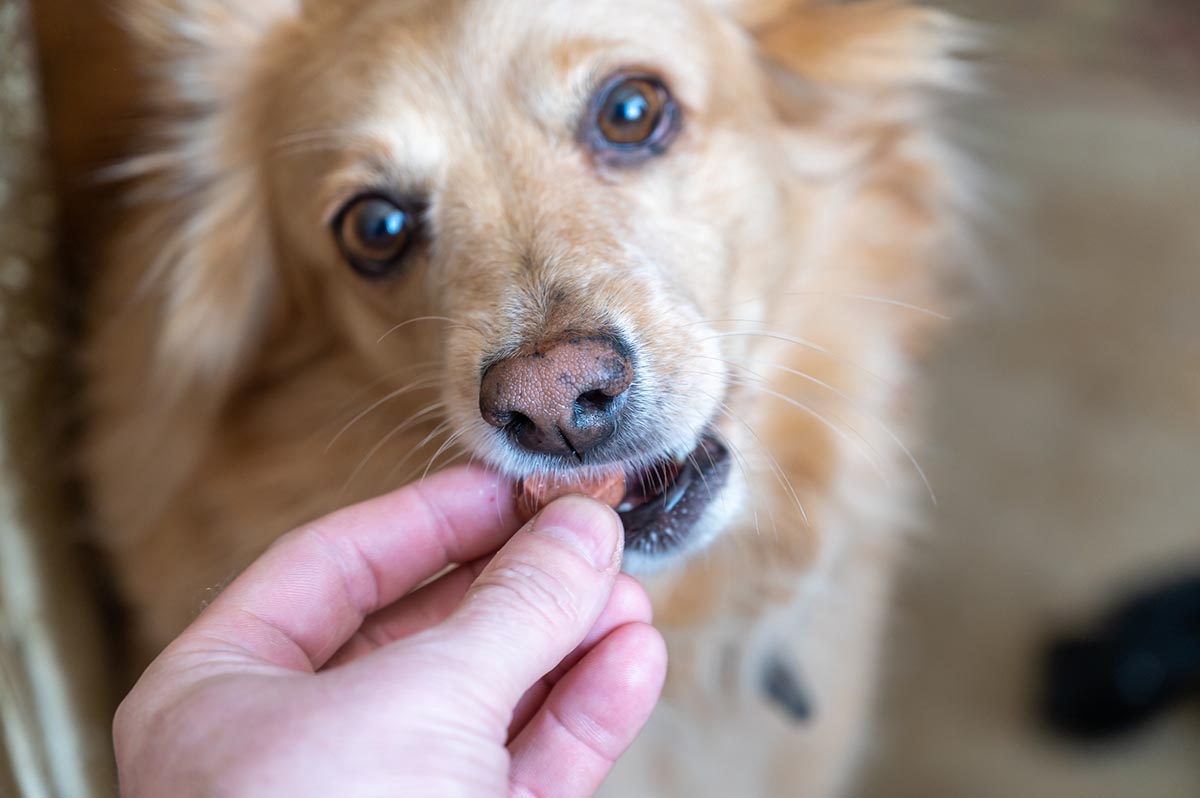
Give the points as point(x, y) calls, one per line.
point(564, 192)
point(558, 207)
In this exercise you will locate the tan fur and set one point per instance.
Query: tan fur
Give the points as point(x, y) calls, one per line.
point(769, 267)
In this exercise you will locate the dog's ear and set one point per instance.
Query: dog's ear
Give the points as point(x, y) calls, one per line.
point(190, 285)
point(202, 212)
point(872, 45)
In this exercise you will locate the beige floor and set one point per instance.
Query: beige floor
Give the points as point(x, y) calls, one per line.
point(1066, 445)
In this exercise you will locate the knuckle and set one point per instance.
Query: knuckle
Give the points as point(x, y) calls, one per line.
point(532, 593)
point(589, 734)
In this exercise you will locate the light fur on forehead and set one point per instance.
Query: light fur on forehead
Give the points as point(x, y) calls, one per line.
point(213, 278)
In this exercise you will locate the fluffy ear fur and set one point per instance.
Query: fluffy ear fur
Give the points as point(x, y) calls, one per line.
point(872, 45)
point(213, 277)
point(183, 309)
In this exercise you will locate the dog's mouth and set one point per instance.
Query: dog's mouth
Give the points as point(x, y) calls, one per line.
point(663, 503)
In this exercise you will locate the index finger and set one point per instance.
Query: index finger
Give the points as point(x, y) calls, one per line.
point(308, 594)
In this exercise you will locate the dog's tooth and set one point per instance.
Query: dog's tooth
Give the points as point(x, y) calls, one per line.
point(674, 497)
point(625, 507)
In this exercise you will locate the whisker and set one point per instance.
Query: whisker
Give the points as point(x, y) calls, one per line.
point(428, 382)
point(875, 462)
point(380, 444)
point(423, 369)
point(870, 416)
point(882, 300)
point(791, 339)
point(440, 429)
point(658, 473)
point(776, 468)
point(498, 497)
point(744, 465)
point(740, 459)
point(441, 450)
point(707, 487)
point(453, 322)
point(456, 458)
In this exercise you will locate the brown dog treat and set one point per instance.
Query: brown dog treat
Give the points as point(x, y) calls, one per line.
point(536, 492)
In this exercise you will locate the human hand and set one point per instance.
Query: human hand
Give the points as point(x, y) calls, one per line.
point(319, 672)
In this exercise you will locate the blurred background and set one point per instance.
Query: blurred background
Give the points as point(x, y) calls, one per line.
point(1066, 425)
point(1065, 445)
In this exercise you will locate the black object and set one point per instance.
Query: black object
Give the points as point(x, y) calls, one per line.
point(783, 687)
point(1140, 661)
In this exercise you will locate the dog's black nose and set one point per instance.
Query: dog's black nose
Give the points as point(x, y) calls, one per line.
point(564, 398)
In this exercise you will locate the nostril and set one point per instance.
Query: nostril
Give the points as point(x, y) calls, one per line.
point(515, 422)
point(594, 402)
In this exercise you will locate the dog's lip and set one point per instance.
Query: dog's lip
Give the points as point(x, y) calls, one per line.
point(665, 502)
point(661, 503)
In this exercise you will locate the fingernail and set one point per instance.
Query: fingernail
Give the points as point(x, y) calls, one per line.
point(587, 526)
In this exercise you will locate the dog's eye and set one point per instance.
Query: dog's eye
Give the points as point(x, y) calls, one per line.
point(635, 115)
point(375, 232)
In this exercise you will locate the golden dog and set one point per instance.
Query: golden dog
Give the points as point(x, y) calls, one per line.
point(693, 240)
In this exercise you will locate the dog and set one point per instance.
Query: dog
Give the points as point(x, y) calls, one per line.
point(715, 235)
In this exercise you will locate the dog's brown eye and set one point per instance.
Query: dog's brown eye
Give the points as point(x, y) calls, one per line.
point(374, 233)
point(635, 115)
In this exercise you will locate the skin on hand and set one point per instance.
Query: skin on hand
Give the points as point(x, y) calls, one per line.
point(320, 671)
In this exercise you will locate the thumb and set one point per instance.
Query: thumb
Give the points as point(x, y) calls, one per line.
point(537, 599)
